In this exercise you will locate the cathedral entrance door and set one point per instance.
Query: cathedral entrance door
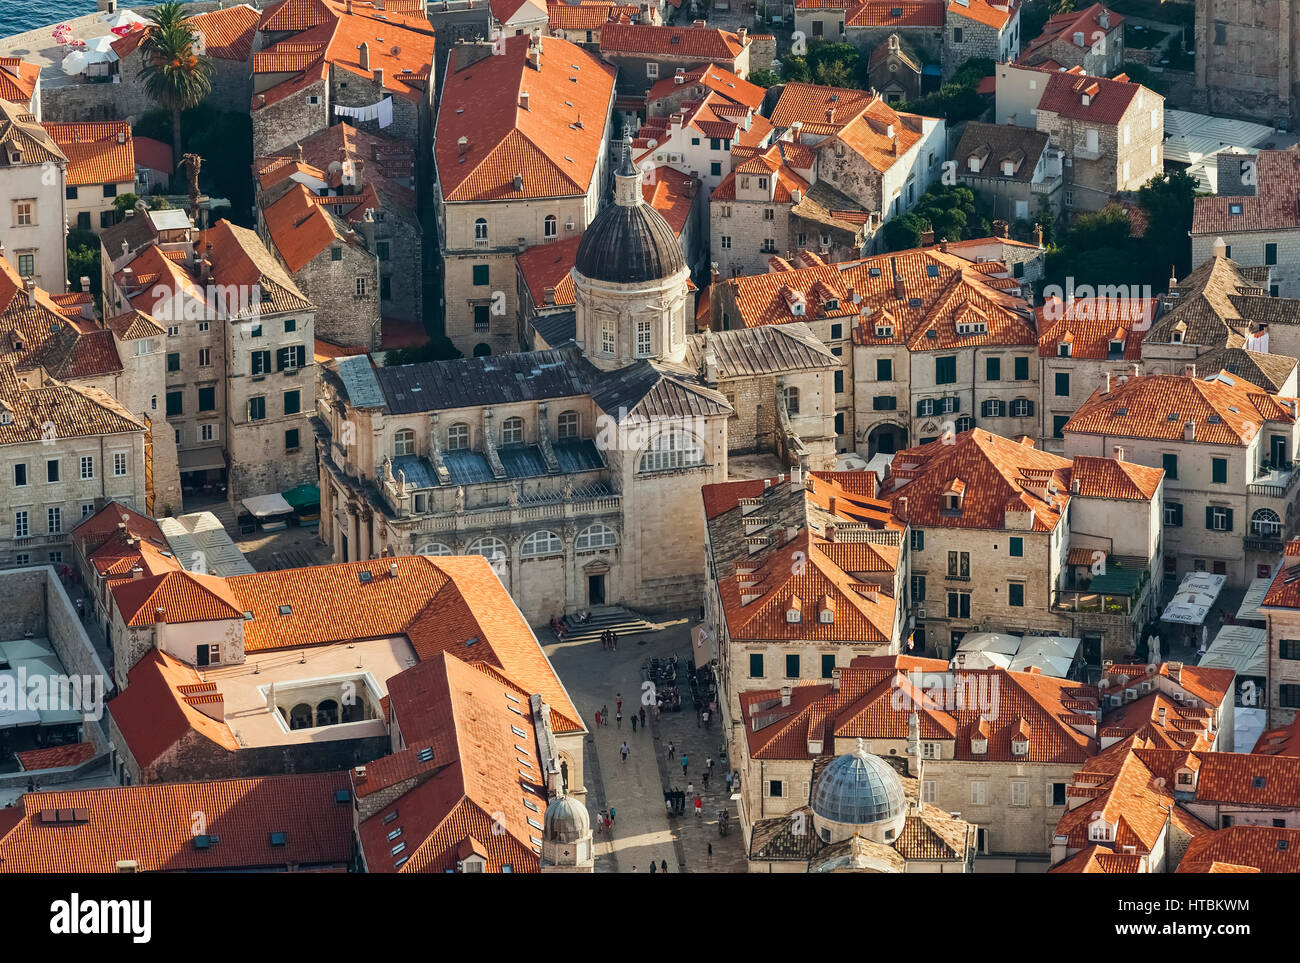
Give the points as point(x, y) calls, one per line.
point(595, 589)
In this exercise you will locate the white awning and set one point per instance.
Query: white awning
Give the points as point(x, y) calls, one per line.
point(1194, 598)
point(267, 506)
point(201, 459)
point(1249, 610)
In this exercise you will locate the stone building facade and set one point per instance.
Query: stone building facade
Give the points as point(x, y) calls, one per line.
point(1246, 59)
point(33, 175)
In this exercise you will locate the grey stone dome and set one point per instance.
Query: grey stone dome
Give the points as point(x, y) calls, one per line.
point(629, 241)
point(858, 788)
point(566, 820)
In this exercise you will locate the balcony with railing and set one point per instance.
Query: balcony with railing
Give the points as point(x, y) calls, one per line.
point(1275, 480)
point(1119, 590)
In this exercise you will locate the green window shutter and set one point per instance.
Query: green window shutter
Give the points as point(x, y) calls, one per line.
point(756, 665)
point(1017, 547)
point(993, 369)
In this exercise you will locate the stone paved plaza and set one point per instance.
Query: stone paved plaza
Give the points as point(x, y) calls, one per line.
point(643, 829)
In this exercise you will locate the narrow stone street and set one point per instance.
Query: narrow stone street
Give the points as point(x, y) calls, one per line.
point(643, 829)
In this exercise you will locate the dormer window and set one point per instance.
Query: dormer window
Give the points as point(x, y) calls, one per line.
point(1099, 831)
point(1116, 348)
point(1008, 168)
point(1063, 349)
point(973, 163)
point(1234, 209)
point(1020, 747)
point(979, 746)
point(793, 616)
point(833, 304)
point(951, 502)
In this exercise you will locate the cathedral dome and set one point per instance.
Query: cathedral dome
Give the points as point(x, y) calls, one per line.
point(629, 242)
point(566, 820)
point(857, 789)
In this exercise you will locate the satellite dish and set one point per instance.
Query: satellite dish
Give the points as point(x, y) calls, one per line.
point(395, 51)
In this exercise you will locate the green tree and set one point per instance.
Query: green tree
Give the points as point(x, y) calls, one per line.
point(123, 203)
point(904, 232)
point(83, 259)
point(175, 75)
point(1167, 200)
point(795, 68)
point(763, 78)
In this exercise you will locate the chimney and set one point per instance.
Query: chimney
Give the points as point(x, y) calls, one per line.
point(1220, 247)
point(261, 100)
point(1119, 452)
point(121, 137)
point(1189, 431)
point(927, 237)
point(1038, 235)
point(364, 53)
point(1175, 671)
point(158, 614)
point(1001, 228)
point(1105, 383)
point(1160, 715)
point(1104, 19)
point(834, 504)
point(30, 285)
point(899, 293)
point(835, 679)
point(462, 146)
point(136, 573)
point(535, 57)
point(830, 529)
point(786, 693)
point(742, 33)
point(519, 182)
point(796, 478)
point(379, 77)
point(392, 569)
point(523, 100)
point(943, 246)
point(1189, 370)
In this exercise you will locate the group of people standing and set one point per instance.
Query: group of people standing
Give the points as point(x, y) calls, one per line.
point(609, 640)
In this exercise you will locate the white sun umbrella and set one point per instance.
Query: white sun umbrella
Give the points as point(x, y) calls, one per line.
point(100, 45)
point(122, 18)
point(75, 63)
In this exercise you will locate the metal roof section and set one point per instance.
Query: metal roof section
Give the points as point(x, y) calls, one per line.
point(201, 544)
point(557, 329)
point(648, 389)
point(1242, 648)
point(769, 349)
point(358, 377)
point(491, 380)
point(1195, 139)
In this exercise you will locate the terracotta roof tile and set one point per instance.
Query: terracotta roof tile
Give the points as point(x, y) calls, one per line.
point(1274, 206)
point(153, 825)
point(544, 266)
point(1225, 410)
point(1109, 99)
point(18, 80)
point(809, 102)
point(543, 144)
point(74, 411)
point(1244, 849)
point(104, 525)
point(1108, 478)
point(56, 757)
point(300, 230)
point(227, 33)
point(708, 77)
point(1091, 324)
point(721, 46)
point(94, 154)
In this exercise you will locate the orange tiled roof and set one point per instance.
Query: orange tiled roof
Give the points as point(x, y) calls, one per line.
point(708, 77)
point(104, 524)
point(299, 229)
point(996, 15)
point(767, 162)
point(543, 144)
point(154, 826)
point(127, 549)
point(588, 16)
point(868, 135)
point(1109, 99)
point(95, 155)
point(1224, 409)
point(56, 757)
point(183, 597)
point(810, 102)
point(545, 266)
point(74, 411)
point(708, 43)
point(1274, 206)
point(1109, 478)
point(227, 33)
point(1091, 324)
point(1284, 741)
point(1244, 849)
point(1064, 26)
point(1000, 475)
point(672, 193)
point(18, 80)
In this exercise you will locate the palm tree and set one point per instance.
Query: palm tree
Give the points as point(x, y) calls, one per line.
point(175, 74)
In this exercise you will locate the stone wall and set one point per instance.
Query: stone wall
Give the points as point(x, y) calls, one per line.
point(343, 316)
point(1246, 55)
point(278, 126)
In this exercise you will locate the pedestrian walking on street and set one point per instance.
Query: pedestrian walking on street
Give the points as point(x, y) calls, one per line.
point(643, 717)
point(690, 789)
point(705, 714)
point(613, 640)
point(663, 865)
point(611, 815)
point(634, 869)
point(604, 715)
point(710, 854)
point(699, 811)
point(653, 867)
point(706, 779)
point(671, 751)
point(597, 718)
point(624, 751)
point(618, 696)
point(619, 719)
point(634, 722)
point(684, 763)
point(728, 782)
point(709, 762)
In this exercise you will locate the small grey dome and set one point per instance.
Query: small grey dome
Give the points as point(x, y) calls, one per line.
point(858, 788)
point(566, 820)
point(629, 242)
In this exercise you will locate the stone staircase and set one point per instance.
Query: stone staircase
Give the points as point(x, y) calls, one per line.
point(623, 621)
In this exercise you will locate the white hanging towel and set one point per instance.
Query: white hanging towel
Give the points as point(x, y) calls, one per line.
point(385, 112)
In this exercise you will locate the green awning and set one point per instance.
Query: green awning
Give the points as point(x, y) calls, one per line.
point(1116, 582)
point(304, 496)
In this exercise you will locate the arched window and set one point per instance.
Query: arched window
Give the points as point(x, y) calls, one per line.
point(301, 717)
point(480, 229)
point(791, 395)
point(596, 536)
point(672, 449)
point(570, 423)
point(512, 431)
point(433, 548)
point(552, 226)
point(327, 713)
point(458, 437)
point(404, 442)
point(539, 544)
point(489, 546)
point(482, 349)
point(1266, 523)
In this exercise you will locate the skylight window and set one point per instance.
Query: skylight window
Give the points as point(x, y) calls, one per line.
point(425, 754)
point(512, 698)
point(1259, 782)
point(534, 823)
point(400, 847)
point(398, 864)
point(248, 616)
point(1121, 411)
point(873, 272)
point(932, 270)
point(394, 834)
point(1173, 416)
point(1234, 208)
point(286, 610)
point(471, 641)
point(279, 839)
point(390, 817)
point(535, 841)
point(364, 577)
point(913, 302)
point(528, 803)
point(519, 732)
point(525, 763)
point(526, 775)
point(514, 710)
point(522, 751)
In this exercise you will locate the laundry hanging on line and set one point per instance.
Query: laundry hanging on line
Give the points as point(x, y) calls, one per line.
point(381, 111)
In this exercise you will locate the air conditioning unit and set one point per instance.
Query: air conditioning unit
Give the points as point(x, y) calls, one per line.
point(569, 225)
point(920, 613)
